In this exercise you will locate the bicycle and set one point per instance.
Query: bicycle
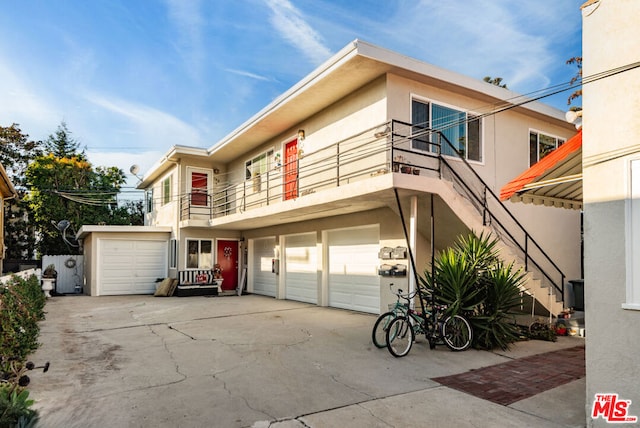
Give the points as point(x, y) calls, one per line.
point(379, 332)
point(455, 331)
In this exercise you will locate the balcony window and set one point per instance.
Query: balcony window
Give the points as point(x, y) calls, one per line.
point(462, 129)
point(256, 168)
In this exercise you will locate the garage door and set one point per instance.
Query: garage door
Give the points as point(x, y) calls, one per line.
point(301, 268)
point(264, 280)
point(353, 276)
point(130, 266)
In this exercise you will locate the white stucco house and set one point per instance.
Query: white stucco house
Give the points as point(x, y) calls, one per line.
point(305, 199)
point(611, 187)
point(600, 173)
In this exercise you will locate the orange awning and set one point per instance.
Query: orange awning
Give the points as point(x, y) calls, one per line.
point(556, 180)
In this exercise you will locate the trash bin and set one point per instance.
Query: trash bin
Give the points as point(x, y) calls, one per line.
point(578, 293)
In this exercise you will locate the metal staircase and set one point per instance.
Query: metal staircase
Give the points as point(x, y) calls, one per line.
point(485, 212)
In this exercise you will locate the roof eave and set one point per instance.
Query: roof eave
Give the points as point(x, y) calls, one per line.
point(167, 161)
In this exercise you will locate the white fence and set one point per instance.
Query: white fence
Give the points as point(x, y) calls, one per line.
point(25, 274)
point(70, 272)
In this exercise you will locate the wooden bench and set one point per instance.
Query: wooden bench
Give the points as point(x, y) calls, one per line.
point(197, 283)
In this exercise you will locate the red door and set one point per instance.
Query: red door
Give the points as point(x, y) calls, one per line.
point(227, 258)
point(291, 170)
point(199, 188)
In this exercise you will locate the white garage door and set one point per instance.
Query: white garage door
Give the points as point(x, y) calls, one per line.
point(301, 268)
point(264, 280)
point(130, 266)
point(353, 269)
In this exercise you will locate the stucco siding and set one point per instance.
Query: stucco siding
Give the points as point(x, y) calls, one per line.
point(610, 141)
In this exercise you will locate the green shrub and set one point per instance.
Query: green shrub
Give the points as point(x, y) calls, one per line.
point(21, 307)
point(15, 407)
point(493, 322)
point(472, 281)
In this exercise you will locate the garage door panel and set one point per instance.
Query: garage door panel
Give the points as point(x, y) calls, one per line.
point(353, 269)
point(264, 280)
point(301, 268)
point(130, 266)
point(302, 287)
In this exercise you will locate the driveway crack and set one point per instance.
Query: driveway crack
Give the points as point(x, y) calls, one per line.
point(231, 394)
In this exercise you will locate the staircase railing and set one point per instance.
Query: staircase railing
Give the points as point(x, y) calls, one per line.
point(466, 180)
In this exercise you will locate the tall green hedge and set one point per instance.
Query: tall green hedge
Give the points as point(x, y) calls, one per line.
point(21, 307)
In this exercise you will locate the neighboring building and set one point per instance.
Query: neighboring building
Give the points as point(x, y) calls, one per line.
point(611, 187)
point(300, 201)
point(7, 191)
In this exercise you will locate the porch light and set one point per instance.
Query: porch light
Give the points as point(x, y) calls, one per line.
point(300, 134)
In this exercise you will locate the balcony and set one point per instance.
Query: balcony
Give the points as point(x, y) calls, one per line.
point(374, 152)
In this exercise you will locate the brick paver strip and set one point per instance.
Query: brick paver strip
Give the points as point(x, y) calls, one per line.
point(522, 378)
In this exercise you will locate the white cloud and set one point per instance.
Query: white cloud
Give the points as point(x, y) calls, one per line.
point(23, 105)
point(499, 38)
point(151, 128)
point(248, 74)
point(290, 23)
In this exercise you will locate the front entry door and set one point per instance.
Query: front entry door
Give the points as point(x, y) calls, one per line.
point(291, 170)
point(227, 258)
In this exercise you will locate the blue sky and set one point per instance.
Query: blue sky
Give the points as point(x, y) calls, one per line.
point(131, 78)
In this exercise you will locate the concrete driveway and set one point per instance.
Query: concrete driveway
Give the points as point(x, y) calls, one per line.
point(140, 361)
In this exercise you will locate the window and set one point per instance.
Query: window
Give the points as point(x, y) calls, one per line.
point(199, 188)
point(173, 254)
point(149, 196)
point(199, 254)
point(166, 190)
point(257, 167)
point(541, 145)
point(463, 130)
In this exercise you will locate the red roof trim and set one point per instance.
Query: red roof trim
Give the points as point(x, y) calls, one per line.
point(545, 164)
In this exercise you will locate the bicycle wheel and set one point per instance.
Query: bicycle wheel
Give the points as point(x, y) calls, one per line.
point(400, 337)
point(379, 333)
point(456, 333)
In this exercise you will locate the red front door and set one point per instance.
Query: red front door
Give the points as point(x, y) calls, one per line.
point(227, 258)
point(291, 170)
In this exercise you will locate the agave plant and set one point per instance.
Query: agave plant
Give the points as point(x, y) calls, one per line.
point(454, 282)
point(493, 325)
point(471, 279)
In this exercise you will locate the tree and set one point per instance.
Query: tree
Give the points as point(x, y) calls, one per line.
point(65, 186)
point(62, 145)
point(16, 151)
point(129, 213)
point(577, 60)
point(495, 81)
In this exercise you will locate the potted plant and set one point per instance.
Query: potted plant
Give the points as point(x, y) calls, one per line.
point(50, 272)
point(561, 330)
point(397, 161)
point(406, 169)
point(48, 279)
